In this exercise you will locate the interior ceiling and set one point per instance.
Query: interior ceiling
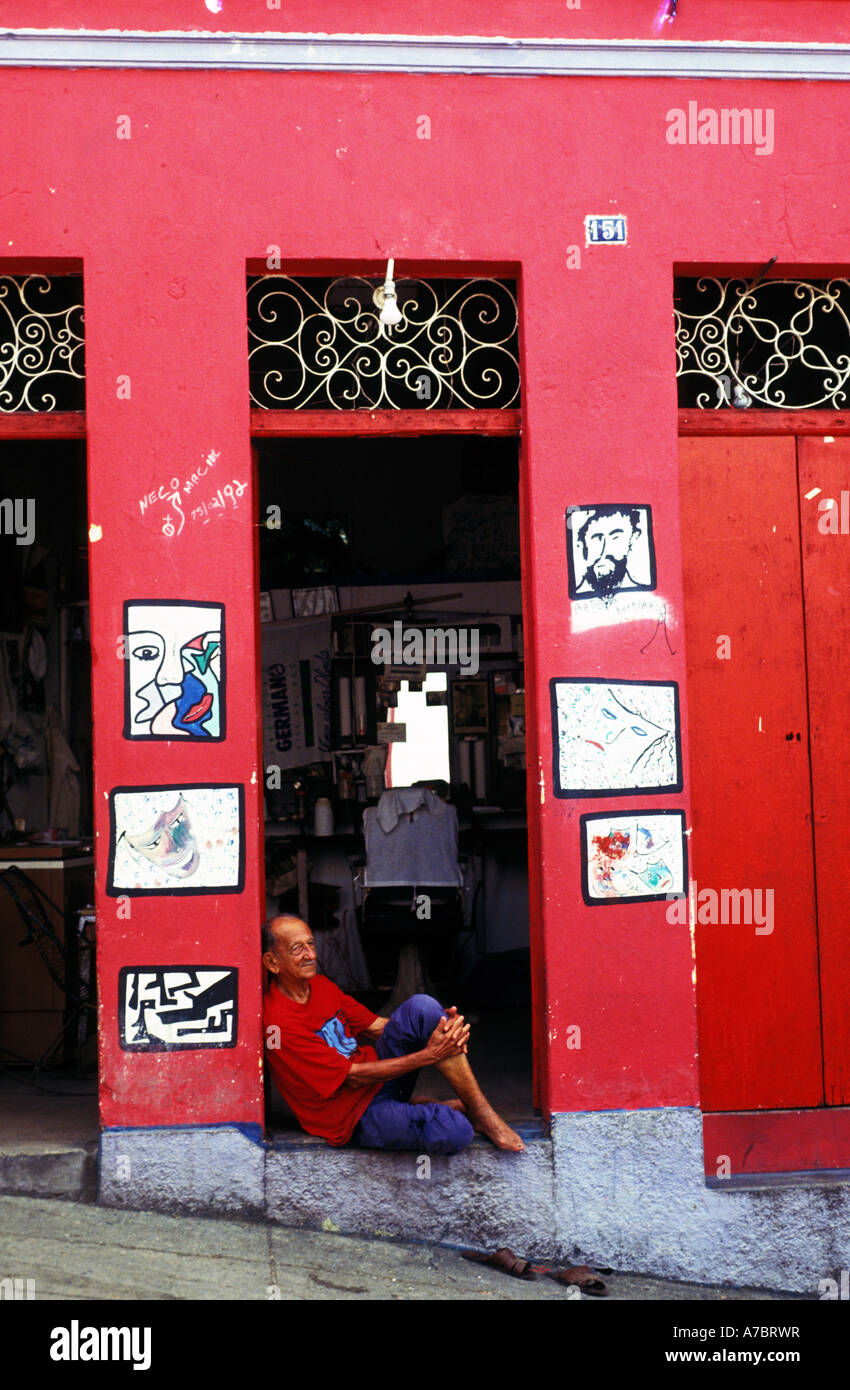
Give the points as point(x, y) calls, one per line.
point(383, 510)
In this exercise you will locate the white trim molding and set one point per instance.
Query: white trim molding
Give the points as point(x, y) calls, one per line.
point(413, 53)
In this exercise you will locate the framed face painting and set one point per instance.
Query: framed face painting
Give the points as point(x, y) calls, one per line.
point(174, 681)
point(609, 550)
point(183, 839)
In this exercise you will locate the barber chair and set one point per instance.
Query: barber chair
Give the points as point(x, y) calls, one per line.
point(410, 888)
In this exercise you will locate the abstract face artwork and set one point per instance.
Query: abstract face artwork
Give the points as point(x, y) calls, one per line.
point(168, 1008)
point(175, 670)
point(615, 736)
point(182, 839)
point(636, 856)
point(168, 843)
point(609, 550)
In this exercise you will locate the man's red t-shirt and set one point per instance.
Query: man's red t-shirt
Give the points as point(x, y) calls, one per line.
point(317, 1048)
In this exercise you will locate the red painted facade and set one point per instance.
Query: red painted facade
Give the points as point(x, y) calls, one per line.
point(778, 21)
point(222, 165)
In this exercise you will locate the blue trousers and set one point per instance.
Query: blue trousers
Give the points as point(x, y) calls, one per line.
point(390, 1122)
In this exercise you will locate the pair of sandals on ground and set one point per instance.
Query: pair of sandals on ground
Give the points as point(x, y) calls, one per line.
point(582, 1276)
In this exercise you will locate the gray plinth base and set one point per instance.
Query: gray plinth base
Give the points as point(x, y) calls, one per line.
point(631, 1194)
point(217, 1169)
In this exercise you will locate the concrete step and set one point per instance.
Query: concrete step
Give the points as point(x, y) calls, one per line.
point(480, 1198)
point(68, 1171)
point(48, 1135)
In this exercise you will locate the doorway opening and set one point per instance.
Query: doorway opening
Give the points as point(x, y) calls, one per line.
point(48, 1044)
point(392, 657)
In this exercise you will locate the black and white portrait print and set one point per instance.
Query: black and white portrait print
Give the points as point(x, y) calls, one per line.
point(609, 550)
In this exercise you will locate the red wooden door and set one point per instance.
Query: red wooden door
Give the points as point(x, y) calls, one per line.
point(824, 470)
point(748, 735)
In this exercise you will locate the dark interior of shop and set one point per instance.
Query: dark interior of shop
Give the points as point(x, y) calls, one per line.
point(48, 1039)
point(367, 547)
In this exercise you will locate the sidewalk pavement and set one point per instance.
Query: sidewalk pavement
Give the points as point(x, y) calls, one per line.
point(76, 1251)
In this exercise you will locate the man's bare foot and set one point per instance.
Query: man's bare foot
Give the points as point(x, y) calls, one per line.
point(494, 1128)
point(435, 1100)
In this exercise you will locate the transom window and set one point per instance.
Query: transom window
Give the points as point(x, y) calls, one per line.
point(42, 346)
point(764, 344)
point(318, 344)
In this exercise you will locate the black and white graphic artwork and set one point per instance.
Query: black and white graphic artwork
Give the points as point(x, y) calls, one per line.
point(614, 737)
point(165, 1008)
point(609, 550)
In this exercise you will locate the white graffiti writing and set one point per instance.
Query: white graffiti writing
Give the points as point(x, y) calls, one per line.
point(172, 492)
point(230, 492)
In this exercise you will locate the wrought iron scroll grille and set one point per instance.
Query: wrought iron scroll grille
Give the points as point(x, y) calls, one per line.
point(42, 343)
point(318, 344)
point(780, 344)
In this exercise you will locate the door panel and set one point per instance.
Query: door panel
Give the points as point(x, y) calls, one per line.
point(826, 586)
point(757, 993)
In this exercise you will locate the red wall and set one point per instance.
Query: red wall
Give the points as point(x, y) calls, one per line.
point(804, 21)
point(219, 167)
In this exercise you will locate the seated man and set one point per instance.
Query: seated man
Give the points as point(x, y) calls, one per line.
point(343, 1092)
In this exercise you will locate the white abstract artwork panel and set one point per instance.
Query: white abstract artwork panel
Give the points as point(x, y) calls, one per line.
point(180, 839)
point(615, 736)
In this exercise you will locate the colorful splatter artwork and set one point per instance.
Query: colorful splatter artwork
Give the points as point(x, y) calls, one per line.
point(181, 839)
point(634, 856)
point(174, 679)
point(615, 737)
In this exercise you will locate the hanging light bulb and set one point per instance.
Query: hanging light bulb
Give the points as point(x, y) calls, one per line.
point(385, 298)
point(391, 313)
point(741, 400)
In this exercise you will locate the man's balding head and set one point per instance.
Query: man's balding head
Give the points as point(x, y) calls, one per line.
point(289, 953)
point(270, 926)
